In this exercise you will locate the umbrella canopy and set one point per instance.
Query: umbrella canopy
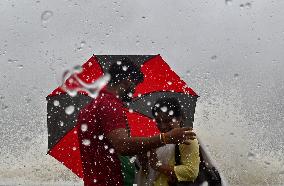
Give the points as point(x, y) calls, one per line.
point(159, 81)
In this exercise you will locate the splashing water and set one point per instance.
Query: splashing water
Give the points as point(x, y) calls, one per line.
point(92, 89)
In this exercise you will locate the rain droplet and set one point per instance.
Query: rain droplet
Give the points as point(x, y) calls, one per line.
point(20, 66)
point(169, 82)
point(248, 5)
point(214, 57)
point(69, 110)
point(251, 156)
point(131, 110)
point(86, 142)
point(95, 181)
point(174, 120)
point(132, 159)
point(124, 68)
point(61, 123)
point(106, 147)
point(148, 103)
point(111, 150)
point(46, 15)
point(56, 103)
point(228, 2)
point(118, 62)
point(101, 137)
point(82, 44)
point(130, 95)
point(164, 109)
point(74, 148)
point(137, 42)
point(12, 60)
point(171, 112)
point(84, 127)
point(258, 85)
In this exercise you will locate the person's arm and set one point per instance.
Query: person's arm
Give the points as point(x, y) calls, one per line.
point(190, 159)
point(137, 145)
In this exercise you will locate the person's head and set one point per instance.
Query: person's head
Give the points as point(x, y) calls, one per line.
point(167, 113)
point(125, 76)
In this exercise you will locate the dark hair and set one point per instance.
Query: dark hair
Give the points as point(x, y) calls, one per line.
point(169, 105)
point(125, 69)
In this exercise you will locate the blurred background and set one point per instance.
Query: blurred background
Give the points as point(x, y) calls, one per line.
point(230, 52)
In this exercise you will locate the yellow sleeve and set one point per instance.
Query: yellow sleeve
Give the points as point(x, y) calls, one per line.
point(189, 168)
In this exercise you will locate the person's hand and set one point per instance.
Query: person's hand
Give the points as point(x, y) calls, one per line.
point(179, 135)
point(143, 160)
point(153, 160)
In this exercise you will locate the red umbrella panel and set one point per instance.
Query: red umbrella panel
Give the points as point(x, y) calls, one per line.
point(62, 109)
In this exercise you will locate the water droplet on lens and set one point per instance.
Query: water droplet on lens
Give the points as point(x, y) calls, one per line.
point(164, 109)
point(101, 137)
point(132, 159)
point(248, 5)
point(12, 60)
point(69, 110)
point(236, 75)
point(84, 127)
point(56, 103)
point(111, 150)
point(61, 123)
point(46, 15)
point(124, 68)
point(228, 2)
point(251, 156)
point(86, 142)
point(214, 57)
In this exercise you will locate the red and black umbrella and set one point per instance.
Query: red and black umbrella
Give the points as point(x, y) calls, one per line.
point(159, 81)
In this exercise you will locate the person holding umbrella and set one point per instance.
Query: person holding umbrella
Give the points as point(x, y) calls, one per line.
point(103, 135)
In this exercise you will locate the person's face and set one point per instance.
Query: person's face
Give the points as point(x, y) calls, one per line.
point(166, 122)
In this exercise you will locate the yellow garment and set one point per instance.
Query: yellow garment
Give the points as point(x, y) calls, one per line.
point(189, 168)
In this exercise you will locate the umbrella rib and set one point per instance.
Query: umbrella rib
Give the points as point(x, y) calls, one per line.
point(144, 95)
